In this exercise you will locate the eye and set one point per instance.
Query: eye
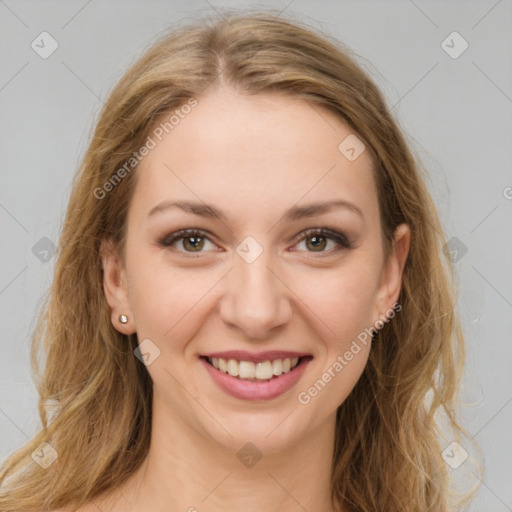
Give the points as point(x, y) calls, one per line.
point(317, 239)
point(192, 240)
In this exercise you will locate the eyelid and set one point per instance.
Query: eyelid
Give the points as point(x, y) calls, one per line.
point(171, 238)
point(338, 237)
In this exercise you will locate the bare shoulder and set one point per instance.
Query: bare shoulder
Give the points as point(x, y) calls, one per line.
point(88, 507)
point(105, 504)
point(116, 500)
point(85, 508)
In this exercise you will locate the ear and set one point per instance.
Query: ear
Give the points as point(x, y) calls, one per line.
point(391, 281)
point(115, 287)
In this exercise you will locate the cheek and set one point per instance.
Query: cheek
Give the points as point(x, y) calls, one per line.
point(342, 306)
point(341, 301)
point(166, 302)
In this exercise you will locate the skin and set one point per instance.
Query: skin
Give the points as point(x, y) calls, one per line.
point(253, 157)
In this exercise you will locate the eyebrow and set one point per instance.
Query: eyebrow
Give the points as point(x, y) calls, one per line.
point(293, 214)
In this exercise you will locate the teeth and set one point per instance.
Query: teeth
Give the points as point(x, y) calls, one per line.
point(233, 368)
point(247, 370)
point(277, 367)
point(264, 370)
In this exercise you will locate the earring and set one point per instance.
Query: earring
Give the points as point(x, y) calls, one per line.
point(123, 319)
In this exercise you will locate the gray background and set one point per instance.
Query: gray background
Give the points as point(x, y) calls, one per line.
point(455, 111)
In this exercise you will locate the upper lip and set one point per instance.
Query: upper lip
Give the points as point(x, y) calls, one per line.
point(256, 357)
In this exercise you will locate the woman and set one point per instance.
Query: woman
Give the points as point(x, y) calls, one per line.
point(250, 306)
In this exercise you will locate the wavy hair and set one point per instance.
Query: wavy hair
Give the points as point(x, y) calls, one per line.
point(95, 397)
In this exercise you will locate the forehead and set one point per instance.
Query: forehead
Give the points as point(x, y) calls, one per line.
point(255, 152)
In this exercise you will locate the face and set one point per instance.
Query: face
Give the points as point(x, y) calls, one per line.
point(282, 259)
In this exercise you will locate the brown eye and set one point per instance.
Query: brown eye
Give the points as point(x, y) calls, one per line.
point(195, 243)
point(192, 241)
point(316, 240)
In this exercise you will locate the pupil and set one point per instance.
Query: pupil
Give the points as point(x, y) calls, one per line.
point(195, 242)
point(315, 242)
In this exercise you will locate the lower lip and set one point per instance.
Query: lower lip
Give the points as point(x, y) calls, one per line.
point(247, 390)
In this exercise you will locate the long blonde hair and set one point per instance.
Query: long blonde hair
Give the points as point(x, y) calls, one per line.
point(387, 448)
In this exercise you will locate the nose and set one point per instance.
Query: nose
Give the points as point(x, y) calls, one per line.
point(256, 300)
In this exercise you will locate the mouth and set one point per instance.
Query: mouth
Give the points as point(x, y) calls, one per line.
point(262, 371)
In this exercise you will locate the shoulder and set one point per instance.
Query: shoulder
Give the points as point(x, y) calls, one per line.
point(84, 508)
point(113, 501)
point(98, 504)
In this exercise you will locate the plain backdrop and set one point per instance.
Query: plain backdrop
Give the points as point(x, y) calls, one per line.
point(454, 106)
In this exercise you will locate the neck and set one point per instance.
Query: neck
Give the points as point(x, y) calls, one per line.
point(185, 470)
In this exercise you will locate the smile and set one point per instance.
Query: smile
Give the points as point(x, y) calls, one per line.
point(255, 380)
point(247, 370)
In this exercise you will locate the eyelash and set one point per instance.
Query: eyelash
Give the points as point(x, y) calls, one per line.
point(339, 238)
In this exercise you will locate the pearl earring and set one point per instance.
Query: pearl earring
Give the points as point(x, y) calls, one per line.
point(123, 319)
